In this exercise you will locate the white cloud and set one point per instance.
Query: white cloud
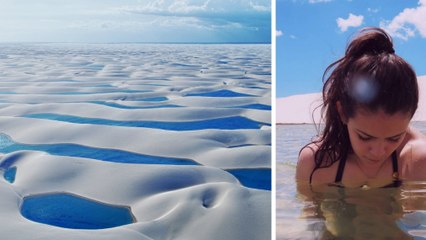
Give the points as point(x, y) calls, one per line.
point(250, 15)
point(319, 1)
point(351, 21)
point(193, 7)
point(278, 33)
point(186, 7)
point(260, 8)
point(293, 37)
point(407, 23)
point(194, 20)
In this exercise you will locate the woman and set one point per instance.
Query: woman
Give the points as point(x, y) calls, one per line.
point(369, 98)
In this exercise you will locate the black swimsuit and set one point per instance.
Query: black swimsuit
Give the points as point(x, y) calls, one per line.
point(396, 181)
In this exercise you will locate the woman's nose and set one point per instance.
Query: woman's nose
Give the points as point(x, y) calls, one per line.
point(378, 150)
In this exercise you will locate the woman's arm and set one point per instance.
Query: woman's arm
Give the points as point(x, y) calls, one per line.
point(418, 161)
point(305, 164)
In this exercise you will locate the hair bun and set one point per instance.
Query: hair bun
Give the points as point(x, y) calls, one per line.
point(371, 41)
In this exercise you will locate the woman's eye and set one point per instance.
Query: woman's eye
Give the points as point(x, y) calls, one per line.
point(393, 139)
point(364, 138)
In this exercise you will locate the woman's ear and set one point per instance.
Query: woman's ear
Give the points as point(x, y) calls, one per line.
point(342, 116)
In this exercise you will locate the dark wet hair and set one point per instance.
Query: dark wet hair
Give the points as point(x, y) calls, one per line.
point(370, 77)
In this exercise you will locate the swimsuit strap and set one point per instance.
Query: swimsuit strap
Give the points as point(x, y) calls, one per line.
point(340, 168)
point(395, 174)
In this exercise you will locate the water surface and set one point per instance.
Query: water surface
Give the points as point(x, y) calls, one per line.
point(72, 211)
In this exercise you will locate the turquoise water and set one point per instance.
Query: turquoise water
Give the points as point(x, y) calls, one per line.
point(72, 211)
point(116, 105)
point(221, 93)
point(9, 174)
point(7, 145)
point(236, 122)
point(254, 178)
point(336, 213)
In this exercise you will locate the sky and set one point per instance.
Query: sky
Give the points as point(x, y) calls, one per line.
point(202, 21)
point(311, 34)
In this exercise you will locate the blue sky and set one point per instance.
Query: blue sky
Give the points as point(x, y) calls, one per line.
point(311, 34)
point(135, 21)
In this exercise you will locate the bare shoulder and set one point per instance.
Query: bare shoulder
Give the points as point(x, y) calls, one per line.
point(306, 162)
point(417, 164)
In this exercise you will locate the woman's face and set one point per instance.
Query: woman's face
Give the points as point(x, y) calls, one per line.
point(375, 135)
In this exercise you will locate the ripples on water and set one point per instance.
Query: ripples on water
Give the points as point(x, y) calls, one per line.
point(337, 213)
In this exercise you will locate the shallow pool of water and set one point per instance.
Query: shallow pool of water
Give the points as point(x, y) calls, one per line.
point(235, 122)
point(220, 93)
point(72, 211)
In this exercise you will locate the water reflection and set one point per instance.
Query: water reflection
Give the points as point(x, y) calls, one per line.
point(381, 213)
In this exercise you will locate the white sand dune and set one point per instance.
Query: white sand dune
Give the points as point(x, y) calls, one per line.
point(298, 109)
point(132, 82)
point(98, 111)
